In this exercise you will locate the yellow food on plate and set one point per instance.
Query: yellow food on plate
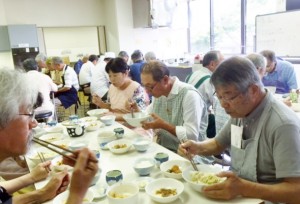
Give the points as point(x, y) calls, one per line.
point(207, 178)
point(175, 169)
point(119, 195)
point(166, 192)
point(120, 146)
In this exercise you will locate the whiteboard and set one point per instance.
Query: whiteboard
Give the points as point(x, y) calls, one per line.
point(279, 32)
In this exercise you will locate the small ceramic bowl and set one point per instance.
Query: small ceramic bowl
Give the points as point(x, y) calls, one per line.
point(75, 131)
point(119, 132)
point(161, 157)
point(141, 144)
point(144, 166)
point(108, 119)
point(113, 176)
point(96, 177)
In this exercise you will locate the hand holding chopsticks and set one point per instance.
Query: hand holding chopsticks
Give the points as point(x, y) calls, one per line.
point(42, 158)
point(55, 148)
point(189, 156)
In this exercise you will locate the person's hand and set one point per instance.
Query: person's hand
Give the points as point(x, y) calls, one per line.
point(83, 174)
point(57, 184)
point(131, 104)
point(188, 147)
point(39, 172)
point(96, 99)
point(226, 190)
point(155, 123)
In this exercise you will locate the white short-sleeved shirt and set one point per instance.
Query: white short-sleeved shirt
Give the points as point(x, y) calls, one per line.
point(100, 80)
point(85, 74)
point(70, 77)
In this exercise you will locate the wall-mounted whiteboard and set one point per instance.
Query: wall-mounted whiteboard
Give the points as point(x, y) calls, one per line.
point(71, 41)
point(279, 32)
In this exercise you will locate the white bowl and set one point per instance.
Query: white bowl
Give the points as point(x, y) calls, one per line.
point(48, 154)
point(108, 119)
point(141, 144)
point(62, 198)
point(78, 144)
point(97, 112)
point(119, 146)
point(197, 185)
point(52, 137)
point(94, 125)
point(123, 193)
point(174, 168)
point(144, 166)
point(153, 188)
point(88, 119)
point(138, 118)
point(143, 181)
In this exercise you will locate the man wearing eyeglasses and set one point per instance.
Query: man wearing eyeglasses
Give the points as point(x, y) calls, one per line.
point(18, 96)
point(262, 134)
point(178, 110)
point(279, 73)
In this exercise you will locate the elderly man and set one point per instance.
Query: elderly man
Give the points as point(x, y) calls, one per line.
point(280, 73)
point(41, 62)
point(67, 91)
point(200, 80)
point(43, 82)
point(179, 113)
point(18, 97)
point(263, 136)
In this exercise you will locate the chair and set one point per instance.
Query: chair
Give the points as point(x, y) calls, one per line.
point(42, 116)
point(86, 90)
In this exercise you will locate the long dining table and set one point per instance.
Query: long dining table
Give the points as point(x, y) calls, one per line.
point(124, 162)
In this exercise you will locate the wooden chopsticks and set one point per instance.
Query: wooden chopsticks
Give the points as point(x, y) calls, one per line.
point(190, 158)
point(46, 144)
point(42, 158)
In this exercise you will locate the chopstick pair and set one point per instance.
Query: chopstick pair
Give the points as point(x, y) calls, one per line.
point(42, 158)
point(46, 144)
point(190, 158)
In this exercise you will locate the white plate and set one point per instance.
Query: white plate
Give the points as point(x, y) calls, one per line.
point(97, 112)
point(62, 198)
point(93, 126)
point(99, 191)
point(142, 182)
point(52, 137)
point(88, 119)
point(48, 154)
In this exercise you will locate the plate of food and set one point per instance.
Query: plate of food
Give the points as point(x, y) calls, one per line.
point(204, 177)
point(93, 126)
point(174, 168)
point(48, 154)
point(119, 146)
point(52, 137)
point(88, 119)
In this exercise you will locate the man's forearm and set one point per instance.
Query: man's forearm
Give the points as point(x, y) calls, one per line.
point(63, 89)
point(34, 197)
point(285, 192)
point(16, 184)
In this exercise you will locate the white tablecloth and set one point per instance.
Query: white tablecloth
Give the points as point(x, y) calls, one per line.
point(124, 162)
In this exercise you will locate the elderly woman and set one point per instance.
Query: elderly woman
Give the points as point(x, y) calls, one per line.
point(122, 90)
point(18, 97)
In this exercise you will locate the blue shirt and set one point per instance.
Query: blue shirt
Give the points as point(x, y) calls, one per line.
point(135, 71)
point(283, 77)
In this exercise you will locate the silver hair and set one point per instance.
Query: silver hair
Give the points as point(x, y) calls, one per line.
point(150, 56)
point(41, 57)
point(237, 71)
point(258, 60)
point(57, 60)
point(16, 91)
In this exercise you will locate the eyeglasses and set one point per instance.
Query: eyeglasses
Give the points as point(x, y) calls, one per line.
point(227, 100)
point(150, 88)
point(30, 115)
